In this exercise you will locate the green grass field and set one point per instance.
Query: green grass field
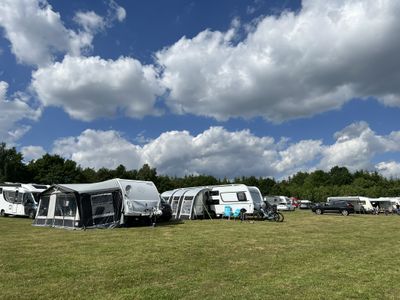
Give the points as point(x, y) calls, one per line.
point(306, 257)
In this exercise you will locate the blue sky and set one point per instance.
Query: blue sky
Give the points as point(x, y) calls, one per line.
point(226, 88)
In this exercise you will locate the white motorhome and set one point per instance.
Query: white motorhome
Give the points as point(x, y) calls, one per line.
point(20, 199)
point(236, 196)
point(103, 204)
point(361, 204)
point(281, 202)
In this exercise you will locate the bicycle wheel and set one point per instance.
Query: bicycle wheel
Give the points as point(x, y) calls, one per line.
point(276, 217)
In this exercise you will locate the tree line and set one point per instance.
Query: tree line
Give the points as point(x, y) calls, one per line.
point(315, 186)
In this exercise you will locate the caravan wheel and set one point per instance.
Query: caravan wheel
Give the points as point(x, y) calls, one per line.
point(2, 213)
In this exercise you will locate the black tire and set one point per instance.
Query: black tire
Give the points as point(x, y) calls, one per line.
point(318, 211)
point(276, 217)
point(344, 212)
point(2, 213)
point(281, 217)
point(32, 214)
point(257, 215)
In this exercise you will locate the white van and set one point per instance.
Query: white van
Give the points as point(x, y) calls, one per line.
point(281, 202)
point(19, 199)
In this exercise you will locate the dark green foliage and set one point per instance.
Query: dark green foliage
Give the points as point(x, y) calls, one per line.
point(12, 168)
point(51, 169)
point(315, 186)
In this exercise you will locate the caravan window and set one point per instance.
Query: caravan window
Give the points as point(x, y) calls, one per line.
point(241, 196)
point(44, 206)
point(102, 205)
point(65, 205)
point(9, 196)
point(19, 197)
point(28, 198)
point(36, 196)
point(256, 197)
point(233, 197)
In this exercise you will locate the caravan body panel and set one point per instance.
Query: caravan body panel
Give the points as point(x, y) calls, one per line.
point(237, 196)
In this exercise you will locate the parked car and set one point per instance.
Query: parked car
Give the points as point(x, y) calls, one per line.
point(305, 204)
point(343, 207)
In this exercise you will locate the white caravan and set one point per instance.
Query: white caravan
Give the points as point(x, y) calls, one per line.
point(20, 199)
point(281, 202)
point(103, 204)
point(235, 196)
point(386, 203)
point(361, 204)
point(204, 201)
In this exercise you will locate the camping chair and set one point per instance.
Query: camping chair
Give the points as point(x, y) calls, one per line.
point(236, 213)
point(228, 211)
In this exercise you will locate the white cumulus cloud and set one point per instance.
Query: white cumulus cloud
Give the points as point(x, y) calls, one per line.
point(37, 33)
point(32, 152)
point(390, 169)
point(356, 146)
point(223, 153)
point(215, 151)
point(90, 87)
point(289, 66)
point(12, 112)
point(97, 149)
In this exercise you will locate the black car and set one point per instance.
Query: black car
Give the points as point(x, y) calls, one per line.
point(343, 207)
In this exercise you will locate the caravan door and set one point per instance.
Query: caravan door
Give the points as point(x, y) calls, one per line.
point(17, 201)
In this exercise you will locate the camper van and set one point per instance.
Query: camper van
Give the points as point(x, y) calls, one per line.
point(281, 202)
point(109, 203)
point(361, 204)
point(19, 199)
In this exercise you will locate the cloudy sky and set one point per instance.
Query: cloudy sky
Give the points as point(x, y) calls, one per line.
point(226, 88)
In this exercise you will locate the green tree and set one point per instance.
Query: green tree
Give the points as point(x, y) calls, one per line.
point(147, 173)
point(52, 169)
point(340, 176)
point(12, 167)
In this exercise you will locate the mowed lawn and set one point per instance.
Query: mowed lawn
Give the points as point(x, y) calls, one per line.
point(305, 257)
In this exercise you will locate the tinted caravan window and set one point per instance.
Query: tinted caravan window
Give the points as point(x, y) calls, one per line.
point(44, 206)
point(65, 205)
point(102, 205)
point(9, 196)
